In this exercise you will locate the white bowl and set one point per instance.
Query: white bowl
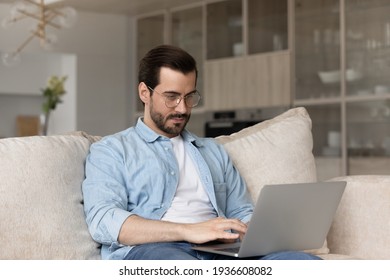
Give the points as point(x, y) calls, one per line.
point(329, 77)
point(353, 75)
point(380, 89)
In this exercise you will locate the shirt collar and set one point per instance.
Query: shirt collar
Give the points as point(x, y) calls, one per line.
point(150, 135)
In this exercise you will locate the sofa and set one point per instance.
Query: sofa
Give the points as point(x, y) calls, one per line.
point(41, 199)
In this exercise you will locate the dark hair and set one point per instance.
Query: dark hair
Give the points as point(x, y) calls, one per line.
point(172, 57)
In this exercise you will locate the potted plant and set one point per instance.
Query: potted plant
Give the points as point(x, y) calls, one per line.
point(52, 95)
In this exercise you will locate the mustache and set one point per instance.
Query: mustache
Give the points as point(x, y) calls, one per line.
point(173, 116)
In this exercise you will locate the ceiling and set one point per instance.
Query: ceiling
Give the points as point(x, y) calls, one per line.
point(124, 7)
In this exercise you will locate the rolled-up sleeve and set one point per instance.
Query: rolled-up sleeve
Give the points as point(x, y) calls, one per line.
point(104, 192)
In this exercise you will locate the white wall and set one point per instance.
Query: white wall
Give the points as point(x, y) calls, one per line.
point(20, 91)
point(99, 45)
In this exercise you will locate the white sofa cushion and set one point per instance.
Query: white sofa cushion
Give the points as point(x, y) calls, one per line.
point(41, 213)
point(275, 151)
point(361, 227)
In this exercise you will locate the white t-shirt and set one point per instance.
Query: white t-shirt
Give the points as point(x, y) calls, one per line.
point(191, 203)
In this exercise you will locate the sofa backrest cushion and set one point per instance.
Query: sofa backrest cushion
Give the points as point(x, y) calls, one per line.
point(274, 151)
point(41, 213)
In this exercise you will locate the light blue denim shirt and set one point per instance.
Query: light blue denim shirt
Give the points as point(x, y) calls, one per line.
point(135, 172)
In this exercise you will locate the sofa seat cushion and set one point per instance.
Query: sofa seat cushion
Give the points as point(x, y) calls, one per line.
point(275, 151)
point(41, 200)
point(336, 257)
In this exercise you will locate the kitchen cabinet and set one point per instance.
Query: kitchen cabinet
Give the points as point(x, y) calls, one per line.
point(248, 60)
point(241, 47)
point(342, 75)
point(261, 80)
point(224, 29)
point(267, 26)
point(330, 56)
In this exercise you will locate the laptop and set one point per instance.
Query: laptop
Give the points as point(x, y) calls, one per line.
point(292, 217)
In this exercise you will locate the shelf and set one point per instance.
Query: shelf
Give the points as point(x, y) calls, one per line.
point(365, 98)
point(20, 94)
point(369, 165)
point(369, 122)
point(317, 101)
point(335, 100)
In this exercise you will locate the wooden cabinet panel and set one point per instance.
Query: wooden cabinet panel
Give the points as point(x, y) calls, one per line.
point(224, 83)
point(280, 93)
point(257, 81)
point(369, 165)
point(249, 82)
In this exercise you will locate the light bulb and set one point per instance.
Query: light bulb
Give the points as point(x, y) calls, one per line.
point(23, 6)
point(7, 22)
point(68, 17)
point(11, 59)
point(18, 7)
point(50, 40)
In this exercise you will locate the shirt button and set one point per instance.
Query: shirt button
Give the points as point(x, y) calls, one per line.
point(172, 173)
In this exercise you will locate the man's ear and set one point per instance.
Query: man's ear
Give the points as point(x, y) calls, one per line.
point(143, 92)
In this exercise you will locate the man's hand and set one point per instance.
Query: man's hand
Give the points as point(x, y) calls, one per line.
point(137, 230)
point(225, 230)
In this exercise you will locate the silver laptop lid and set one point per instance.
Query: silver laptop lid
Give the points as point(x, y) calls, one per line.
point(292, 217)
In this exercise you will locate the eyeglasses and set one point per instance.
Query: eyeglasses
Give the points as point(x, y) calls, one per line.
point(173, 99)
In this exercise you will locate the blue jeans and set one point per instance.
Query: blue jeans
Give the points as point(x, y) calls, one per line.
point(184, 251)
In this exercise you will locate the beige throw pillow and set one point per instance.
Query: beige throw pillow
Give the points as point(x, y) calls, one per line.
point(275, 151)
point(41, 213)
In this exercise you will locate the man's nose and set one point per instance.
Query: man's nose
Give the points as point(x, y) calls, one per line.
point(182, 107)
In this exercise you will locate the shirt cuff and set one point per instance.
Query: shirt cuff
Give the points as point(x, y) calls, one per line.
point(119, 216)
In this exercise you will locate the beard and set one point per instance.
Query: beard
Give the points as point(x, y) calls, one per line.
point(161, 122)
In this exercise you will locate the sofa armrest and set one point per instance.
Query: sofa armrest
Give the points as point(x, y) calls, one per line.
point(361, 227)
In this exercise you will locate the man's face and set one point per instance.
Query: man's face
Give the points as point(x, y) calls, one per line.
point(166, 121)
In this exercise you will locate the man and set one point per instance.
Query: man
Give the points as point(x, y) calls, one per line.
point(153, 190)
